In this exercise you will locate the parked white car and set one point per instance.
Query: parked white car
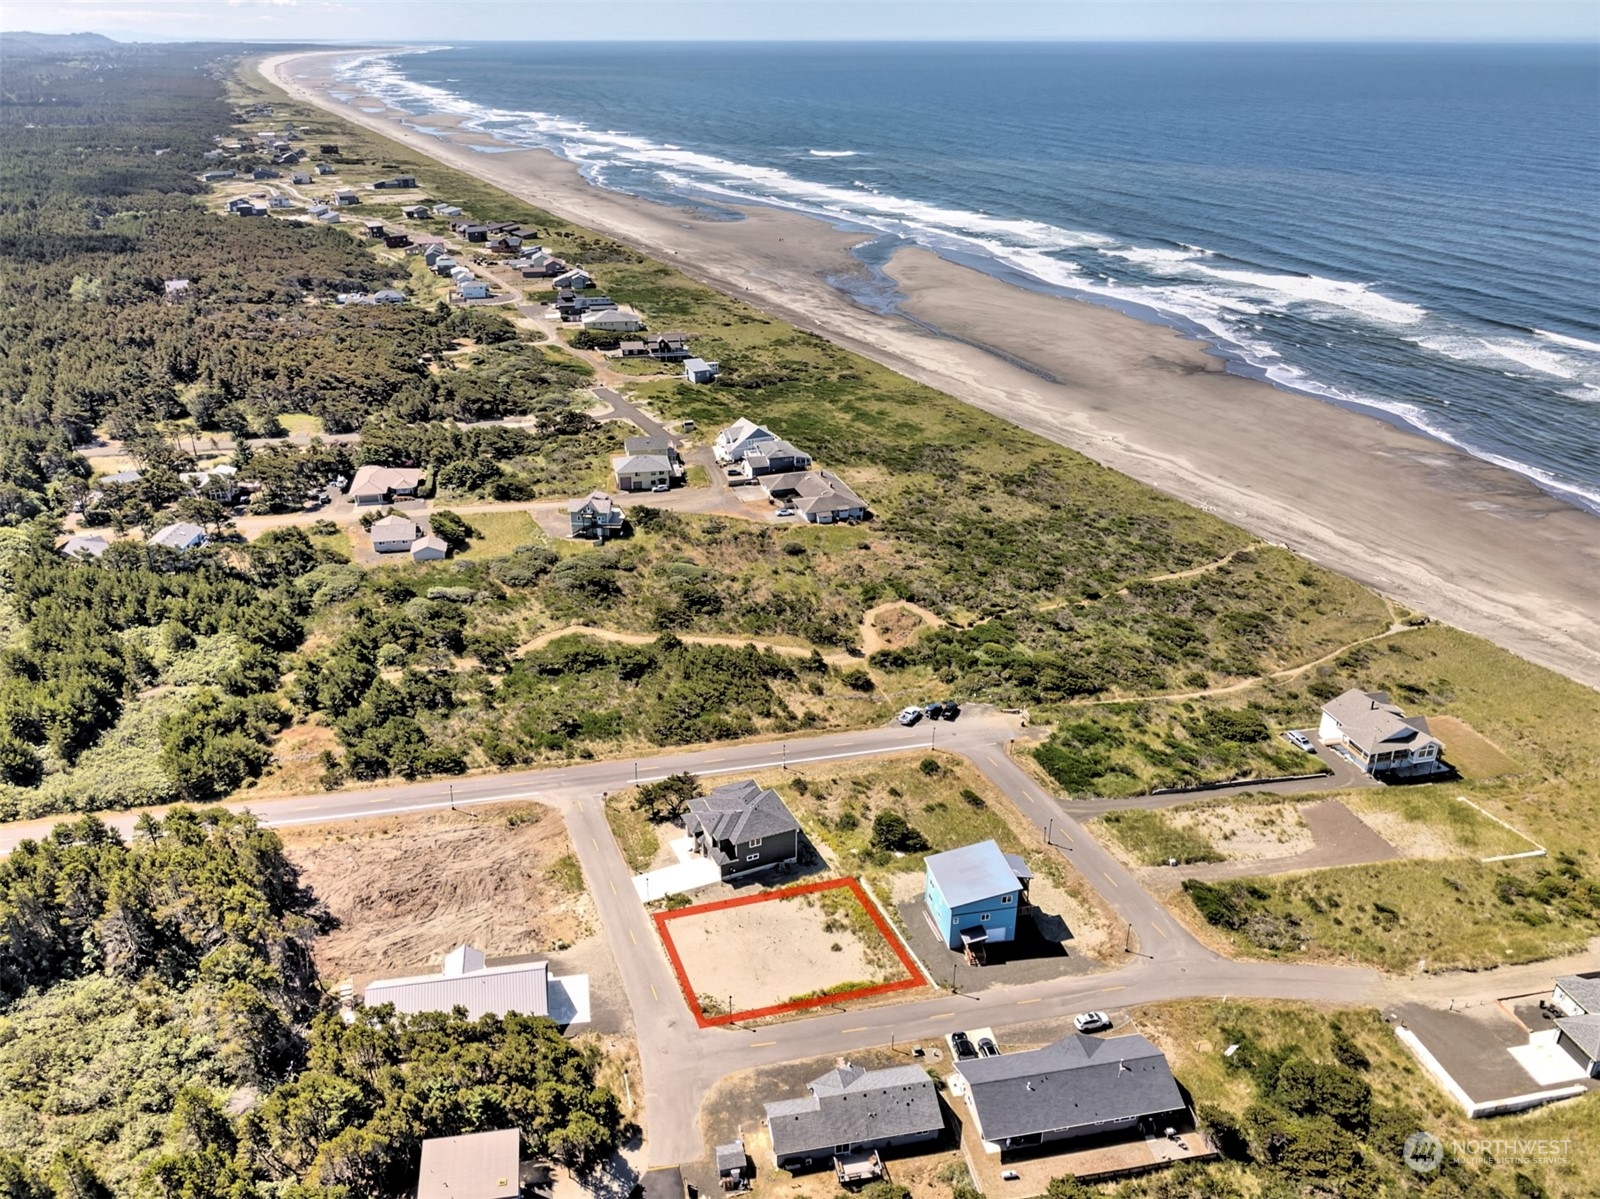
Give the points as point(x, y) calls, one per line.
point(1091, 1022)
point(909, 716)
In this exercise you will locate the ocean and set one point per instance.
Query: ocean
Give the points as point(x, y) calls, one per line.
point(1413, 230)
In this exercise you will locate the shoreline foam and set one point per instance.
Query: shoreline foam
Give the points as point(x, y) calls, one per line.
point(1447, 533)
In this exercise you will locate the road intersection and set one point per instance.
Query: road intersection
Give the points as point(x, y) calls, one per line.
point(681, 1062)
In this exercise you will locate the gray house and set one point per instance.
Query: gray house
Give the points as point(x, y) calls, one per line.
point(775, 457)
point(742, 827)
point(1079, 1086)
point(595, 515)
point(854, 1111)
point(1577, 998)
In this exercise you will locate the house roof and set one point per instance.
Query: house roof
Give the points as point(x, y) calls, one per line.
point(743, 811)
point(662, 1182)
point(972, 874)
point(478, 1165)
point(1018, 867)
point(848, 1105)
point(598, 500)
point(1371, 721)
point(1583, 1031)
point(730, 1156)
point(641, 464)
point(392, 528)
point(646, 445)
point(380, 480)
point(742, 430)
point(696, 365)
point(430, 542)
point(1077, 1081)
point(521, 987)
point(90, 545)
point(1583, 989)
point(124, 476)
point(179, 535)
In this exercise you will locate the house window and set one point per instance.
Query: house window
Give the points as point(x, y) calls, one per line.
point(755, 857)
point(985, 916)
point(1005, 899)
point(754, 843)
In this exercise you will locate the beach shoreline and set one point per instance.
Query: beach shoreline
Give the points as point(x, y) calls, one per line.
point(1461, 539)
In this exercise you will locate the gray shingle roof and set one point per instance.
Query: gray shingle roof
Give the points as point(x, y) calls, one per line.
point(1078, 1082)
point(645, 445)
point(743, 812)
point(730, 1156)
point(972, 874)
point(1370, 721)
point(1584, 1032)
point(1583, 988)
point(849, 1106)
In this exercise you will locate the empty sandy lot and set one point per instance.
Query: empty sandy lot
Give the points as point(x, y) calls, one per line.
point(759, 955)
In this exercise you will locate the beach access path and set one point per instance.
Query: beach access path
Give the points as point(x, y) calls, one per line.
point(1448, 534)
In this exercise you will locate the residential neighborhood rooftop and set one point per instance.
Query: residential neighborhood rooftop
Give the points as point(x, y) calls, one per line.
point(743, 812)
point(477, 1165)
point(1077, 1082)
point(972, 873)
point(849, 1105)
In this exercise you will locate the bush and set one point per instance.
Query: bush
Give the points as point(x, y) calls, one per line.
point(857, 679)
point(930, 767)
point(451, 529)
point(890, 832)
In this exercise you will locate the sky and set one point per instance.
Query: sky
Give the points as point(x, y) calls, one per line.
point(813, 20)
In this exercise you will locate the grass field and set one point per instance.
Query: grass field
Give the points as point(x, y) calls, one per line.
point(1403, 1100)
point(1152, 840)
point(496, 534)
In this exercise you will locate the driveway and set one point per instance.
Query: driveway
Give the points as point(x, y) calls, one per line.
point(689, 873)
point(1342, 839)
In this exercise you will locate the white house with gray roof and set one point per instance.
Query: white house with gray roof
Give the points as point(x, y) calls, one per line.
point(641, 472)
point(181, 535)
point(1577, 997)
point(1378, 737)
point(850, 1111)
point(743, 827)
point(1079, 1086)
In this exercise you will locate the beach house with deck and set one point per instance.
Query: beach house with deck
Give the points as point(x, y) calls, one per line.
point(848, 1114)
point(972, 895)
point(1378, 737)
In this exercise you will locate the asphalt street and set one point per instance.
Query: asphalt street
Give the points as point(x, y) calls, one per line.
point(681, 1062)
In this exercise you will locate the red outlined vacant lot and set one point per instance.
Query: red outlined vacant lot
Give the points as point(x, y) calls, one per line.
point(664, 920)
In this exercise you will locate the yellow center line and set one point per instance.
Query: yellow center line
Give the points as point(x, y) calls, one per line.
point(1109, 879)
point(863, 1028)
point(612, 885)
point(762, 1044)
point(1020, 1002)
point(632, 938)
point(940, 1015)
point(593, 842)
point(1107, 990)
point(1160, 930)
point(653, 994)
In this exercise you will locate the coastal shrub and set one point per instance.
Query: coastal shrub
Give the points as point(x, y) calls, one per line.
point(667, 799)
point(890, 832)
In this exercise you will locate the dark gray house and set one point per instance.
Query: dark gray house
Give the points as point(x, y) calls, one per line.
point(1079, 1086)
point(742, 827)
point(854, 1111)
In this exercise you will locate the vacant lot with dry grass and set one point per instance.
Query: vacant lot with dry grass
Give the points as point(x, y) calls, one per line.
point(408, 889)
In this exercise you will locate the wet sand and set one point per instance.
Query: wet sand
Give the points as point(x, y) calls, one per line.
point(1465, 541)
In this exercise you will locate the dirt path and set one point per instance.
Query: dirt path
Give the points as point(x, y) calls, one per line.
point(872, 641)
point(1204, 568)
point(833, 658)
point(1288, 672)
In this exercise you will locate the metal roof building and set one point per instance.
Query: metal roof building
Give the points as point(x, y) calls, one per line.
point(467, 982)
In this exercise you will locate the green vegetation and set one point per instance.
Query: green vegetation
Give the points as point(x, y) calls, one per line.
point(145, 985)
point(1457, 912)
point(1154, 840)
point(1320, 1103)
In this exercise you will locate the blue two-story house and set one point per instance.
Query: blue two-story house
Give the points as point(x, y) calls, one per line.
point(973, 895)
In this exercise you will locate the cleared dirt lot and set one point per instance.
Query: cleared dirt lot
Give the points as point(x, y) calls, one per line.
point(751, 956)
point(408, 889)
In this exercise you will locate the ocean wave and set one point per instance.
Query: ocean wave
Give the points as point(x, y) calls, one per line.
point(1192, 286)
point(1572, 343)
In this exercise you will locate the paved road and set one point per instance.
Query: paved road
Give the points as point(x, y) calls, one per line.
point(632, 412)
point(681, 1062)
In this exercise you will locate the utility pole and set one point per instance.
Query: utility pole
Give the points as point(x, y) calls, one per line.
point(452, 797)
point(785, 752)
point(636, 774)
point(1048, 829)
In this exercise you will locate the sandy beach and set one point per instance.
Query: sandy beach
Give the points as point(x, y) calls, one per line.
point(1465, 541)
